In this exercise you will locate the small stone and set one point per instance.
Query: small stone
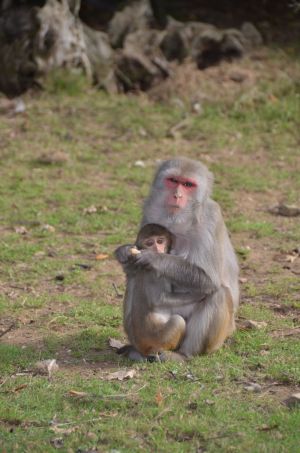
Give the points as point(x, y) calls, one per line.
point(20, 106)
point(143, 132)
point(253, 387)
point(252, 35)
point(139, 163)
point(238, 76)
point(197, 108)
point(49, 158)
point(293, 400)
point(48, 228)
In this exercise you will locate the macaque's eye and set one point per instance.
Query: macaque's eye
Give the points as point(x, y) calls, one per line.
point(161, 241)
point(149, 243)
point(173, 180)
point(188, 184)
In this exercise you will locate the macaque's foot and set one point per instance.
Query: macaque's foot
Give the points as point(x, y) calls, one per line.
point(131, 353)
point(170, 356)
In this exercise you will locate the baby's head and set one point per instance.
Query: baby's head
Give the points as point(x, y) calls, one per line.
point(154, 237)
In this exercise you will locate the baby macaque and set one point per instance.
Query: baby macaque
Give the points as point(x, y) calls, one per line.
point(149, 303)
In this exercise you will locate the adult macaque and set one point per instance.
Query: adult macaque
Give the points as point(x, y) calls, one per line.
point(202, 258)
point(148, 320)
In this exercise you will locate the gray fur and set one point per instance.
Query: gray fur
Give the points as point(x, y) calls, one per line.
point(202, 260)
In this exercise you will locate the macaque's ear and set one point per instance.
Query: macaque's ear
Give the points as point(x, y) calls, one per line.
point(210, 182)
point(159, 163)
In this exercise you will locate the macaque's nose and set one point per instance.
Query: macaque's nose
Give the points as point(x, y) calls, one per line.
point(155, 247)
point(178, 193)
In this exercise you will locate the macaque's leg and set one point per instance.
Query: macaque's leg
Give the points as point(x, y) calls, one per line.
point(131, 353)
point(161, 333)
point(209, 325)
point(224, 324)
point(171, 356)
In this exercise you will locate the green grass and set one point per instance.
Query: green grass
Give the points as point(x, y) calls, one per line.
point(63, 300)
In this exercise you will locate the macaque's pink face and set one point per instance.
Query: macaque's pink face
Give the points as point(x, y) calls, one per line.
point(179, 192)
point(157, 244)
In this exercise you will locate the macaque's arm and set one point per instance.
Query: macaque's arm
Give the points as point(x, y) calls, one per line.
point(177, 269)
point(126, 258)
point(123, 253)
point(169, 300)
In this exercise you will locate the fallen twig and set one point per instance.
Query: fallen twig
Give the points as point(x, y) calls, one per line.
point(117, 291)
point(286, 332)
point(85, 395)
point(7, 330)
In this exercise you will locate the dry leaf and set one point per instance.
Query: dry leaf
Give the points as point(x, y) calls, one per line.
point(291, 258)
point(209, 402)
point(267, 427)
point(115, 344)
point(249, 324)
point(108, 414)
point(92, 436)
point(49, 228)
point(90, 210)
point(65, 431)
point(101, 256)
point(243, 280)
point(159, 398)
point(40, 254)
point(121, 375)
point(20, 387)
point(21, 229)
point(286, 332)
point(174, 131)
point(77, 394)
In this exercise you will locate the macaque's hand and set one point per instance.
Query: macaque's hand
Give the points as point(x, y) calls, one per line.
point(146, 259)
point(124, 254)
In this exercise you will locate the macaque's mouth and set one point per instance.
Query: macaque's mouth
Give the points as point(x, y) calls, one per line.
point(174, 207)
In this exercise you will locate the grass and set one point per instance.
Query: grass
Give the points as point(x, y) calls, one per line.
point(61, 301)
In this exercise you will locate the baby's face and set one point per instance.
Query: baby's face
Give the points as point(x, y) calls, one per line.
point(157, 244)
